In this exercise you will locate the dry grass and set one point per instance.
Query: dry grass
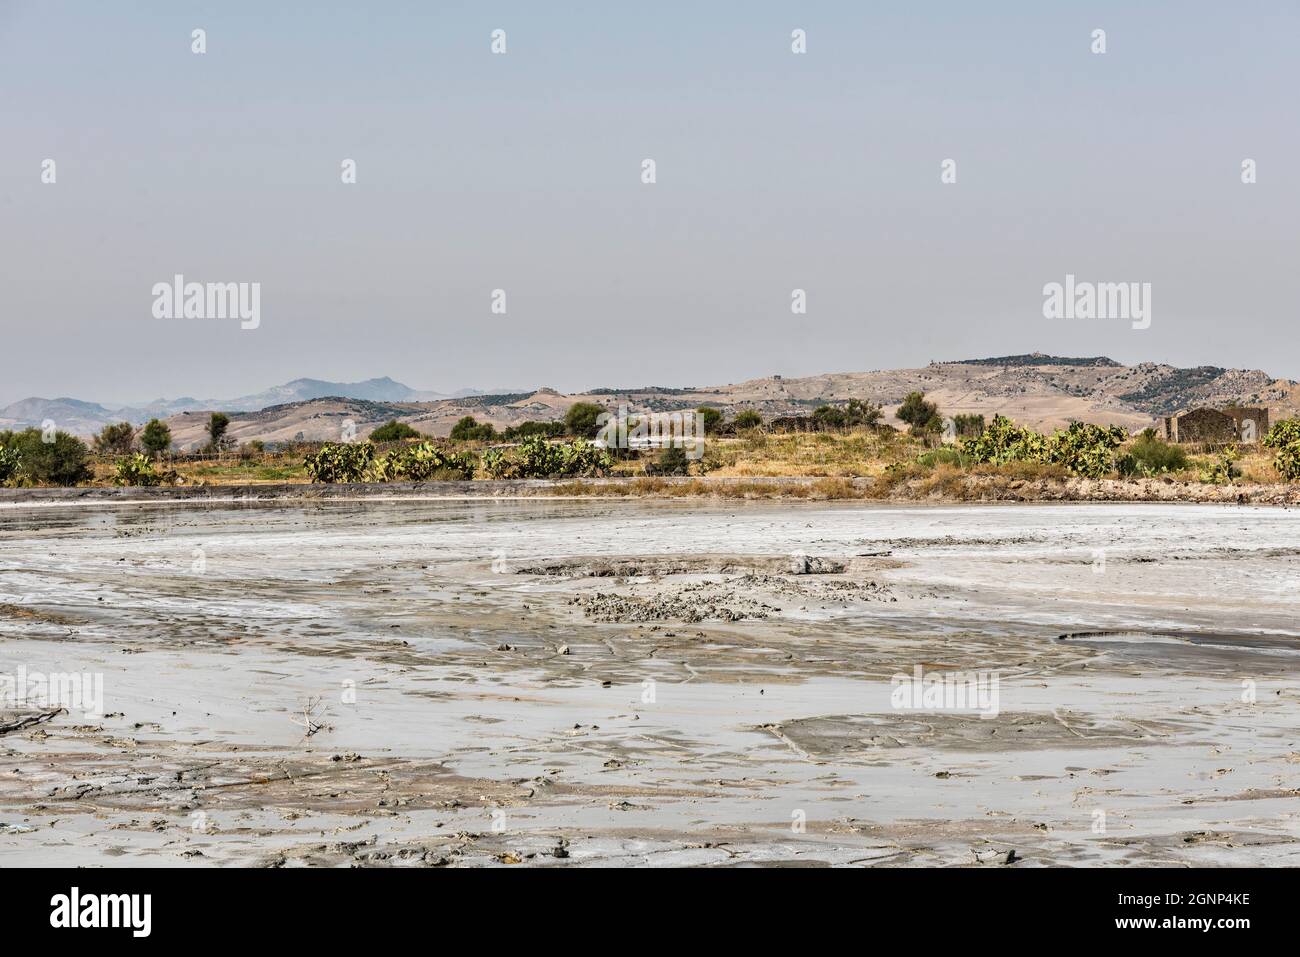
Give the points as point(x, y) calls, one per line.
point(858, 453)
point(266, 469)
point(857, 464)
point(820, 490)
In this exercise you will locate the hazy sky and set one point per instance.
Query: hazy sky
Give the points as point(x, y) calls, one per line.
point(522, 171)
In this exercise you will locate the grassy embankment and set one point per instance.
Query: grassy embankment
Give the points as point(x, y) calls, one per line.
point(857, 463)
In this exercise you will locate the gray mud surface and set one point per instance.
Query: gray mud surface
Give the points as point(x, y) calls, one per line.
point(579, 683)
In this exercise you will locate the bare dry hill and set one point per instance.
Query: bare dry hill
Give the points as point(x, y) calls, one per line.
point(1041, 391)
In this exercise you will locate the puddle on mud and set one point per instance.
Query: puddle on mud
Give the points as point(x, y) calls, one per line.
point(1205, 647)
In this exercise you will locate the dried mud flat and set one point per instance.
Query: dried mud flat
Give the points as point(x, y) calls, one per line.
point(561, 683)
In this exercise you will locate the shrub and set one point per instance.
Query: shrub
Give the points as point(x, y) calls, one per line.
point(10, 467)
point(550, 430)
point(711, 417)
point(393, 431)
point(422, 463)
point(469, 429)
point(61, 461)
point(1087, 450)
point(853, 413)
point(340, 462)
point(537, 458)
point(138, 469)
point(748, 419)
point(581, 418)
point(944, 456)
point(156, 437)
point(968, 426)
point(115, 439)
point(830, 417)
point(216, 428)
point(1149, 455)
point(1222, 468)
point(1284, 438)
point(922, 416)
point(671, 461)
point(1003, 441)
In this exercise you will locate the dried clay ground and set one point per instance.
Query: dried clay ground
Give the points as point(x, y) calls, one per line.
point(546, 682)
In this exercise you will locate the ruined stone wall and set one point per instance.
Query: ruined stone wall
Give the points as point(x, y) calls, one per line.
point(1206, 425)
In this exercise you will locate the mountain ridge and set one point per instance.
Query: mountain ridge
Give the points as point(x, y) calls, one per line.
point(1042, 391)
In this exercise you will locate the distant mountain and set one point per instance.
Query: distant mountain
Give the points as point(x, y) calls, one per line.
point(70, 415)
point(302, 390)
point(87, 418)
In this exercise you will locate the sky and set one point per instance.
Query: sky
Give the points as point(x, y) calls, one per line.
point(774, 171)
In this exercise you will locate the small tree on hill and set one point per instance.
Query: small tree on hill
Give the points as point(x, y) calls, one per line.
point(216, 429)
point(393, 431)
point(921, 415)
point(156, 437)
point(581, 418)
point(470, 429)
point(115, 439)
point(712, 418)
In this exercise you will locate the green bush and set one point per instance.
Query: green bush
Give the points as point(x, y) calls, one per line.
point(64, 460)
point(156, 437)
point(830, 417)
point(968, 426)
point(581, 418)
point(469, 429)
point(10, 467)
point(711, 417)
point(216, 428)
point(922, 416)
point(550, 430)
point(672, 460)
point(393, 431)
point(1003, 441)
point(1087, 450)
point(748, 419)
point(1149, 455)
point(944, 456)
point(340, 462)
point(115, 439)
point(853, 413)
point(1222, 468)
point(138, 469)
point(537, 458)
point(1284, 438)
point(422, 463)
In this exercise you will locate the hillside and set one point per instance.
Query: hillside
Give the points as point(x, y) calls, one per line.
point(1044, 392)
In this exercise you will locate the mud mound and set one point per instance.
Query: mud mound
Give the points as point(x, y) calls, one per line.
point(655, 565)
point(841, 736)
point(690, 605)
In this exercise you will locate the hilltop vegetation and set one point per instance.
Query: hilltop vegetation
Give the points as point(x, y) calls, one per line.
point(1039, 359)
